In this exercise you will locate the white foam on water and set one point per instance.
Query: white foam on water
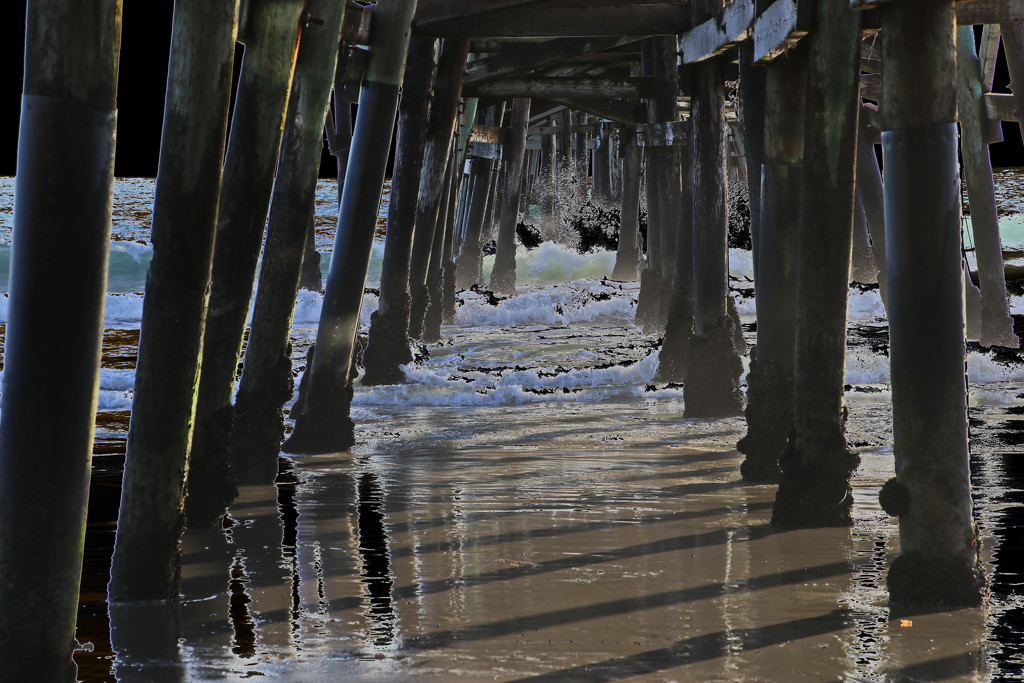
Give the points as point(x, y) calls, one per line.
point(741, 264)
point(866, 367)
point(572, 302)
point(984, 369)
point(552, 263)
point(864, 305)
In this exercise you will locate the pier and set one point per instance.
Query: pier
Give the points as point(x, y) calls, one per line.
point(853, 131)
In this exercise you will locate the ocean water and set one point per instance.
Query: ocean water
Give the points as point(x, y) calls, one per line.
point(531, 505)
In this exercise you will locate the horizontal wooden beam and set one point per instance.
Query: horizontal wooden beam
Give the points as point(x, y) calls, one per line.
point(666, 134)
point(613, 110)
point(989, 12)
point(717, 34)
point(481, 133)
point(550, 88)
point(563, 18)
point(529, 57)
point(439, 10)
point(485, 150)
point(777, 29)
point(1001, 107)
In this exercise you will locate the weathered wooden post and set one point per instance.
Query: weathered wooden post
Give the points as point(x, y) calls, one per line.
point(1012, 35)
point(387, 345)
point(266, 383)
point(627, 256)
point(817, 465)
point(769, 410)
point(503, 276)
point(253, 143)
point(467, 271)
point(548, 186)
point(752, 104)
point(324, 426)
point(444, 112)
point(431, 332)
point(150, 521)
point(52, 362)
point(996, 323)
point(599, 166)
point(870, 199)
point(938, 563)
point(458, 198)
point(580, 155)
point(713, 366)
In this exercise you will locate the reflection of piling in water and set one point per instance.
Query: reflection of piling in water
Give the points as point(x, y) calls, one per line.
point(323, 425)
point(51, 365)
point(376, 562)
point(266, 383)
point(256, 127)
point(938, 562)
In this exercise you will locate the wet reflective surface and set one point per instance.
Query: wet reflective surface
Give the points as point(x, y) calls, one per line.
point(560, 542)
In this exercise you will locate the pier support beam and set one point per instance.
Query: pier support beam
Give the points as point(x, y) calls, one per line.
point(503, 277)
point(253, 144)
point(266, 383)
point(769, 410)
point(713, 365)
point(817, 465)
point(938, 565)
point(468, 264)
point(388, 342)
point(870, 199)
point(150, 521)
point(323, 425)
point(996, 322)
point(627, 256)
point(52, 361)
point(444, 113)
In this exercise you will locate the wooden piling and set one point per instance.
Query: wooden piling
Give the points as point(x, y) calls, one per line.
point(253, 143)
point(752, 106)
point(996, 322)
point(503, 276)
point(817, 465)
point(387, 345)
point(51, 372)
point(431, 332)
point(444, 112)
point(870, 198)
point(150, 521)
point(324, 425)
point(938, 565)
point(627, 256)
point(769, 410)
point(266, 383)
point(713, 366)
point(470, 256)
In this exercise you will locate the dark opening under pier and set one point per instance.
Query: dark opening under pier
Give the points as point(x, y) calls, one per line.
point(636, 339)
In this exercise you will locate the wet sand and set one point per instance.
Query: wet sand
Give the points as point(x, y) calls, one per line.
point(554, 541)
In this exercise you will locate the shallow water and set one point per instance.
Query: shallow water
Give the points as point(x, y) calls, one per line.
point(533, 506)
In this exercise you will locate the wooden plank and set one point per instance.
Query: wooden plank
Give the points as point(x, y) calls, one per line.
point(718, 33)
point(485, 150)
point(438, 10)
point(613, 110)
point(625, 88)
point(565, 18)
point(1001, 107)
point(989, 12)
point(776, 30)
point(535, 56)
point(355, 30)
point(493, 134)
point(666, 134)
